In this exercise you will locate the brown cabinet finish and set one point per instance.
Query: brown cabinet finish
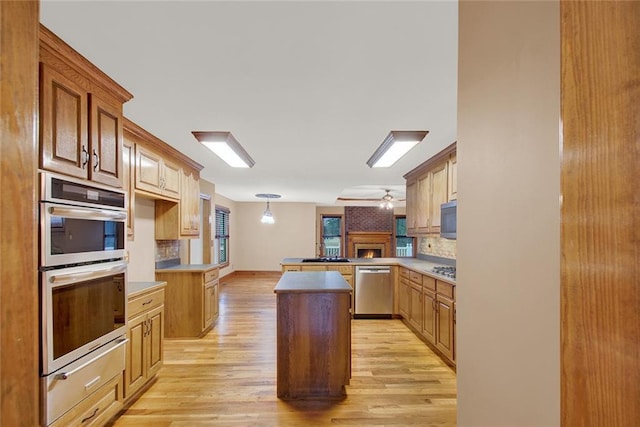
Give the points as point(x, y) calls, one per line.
point(146, 335)
point(429, 309)
point(191, 305)
point(128, 164)
point(81, 123)
point(156, 175)
point(427, 187)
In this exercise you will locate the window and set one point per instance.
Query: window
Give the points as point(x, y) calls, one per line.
point(331, 235)
point(404, 244)
point(222, 235)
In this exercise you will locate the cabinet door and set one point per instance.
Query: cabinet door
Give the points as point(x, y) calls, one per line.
point(404, 296)
point(444, 335)
point(128, 162)
point(190, 205)
point(429, 315)
point(439, 195)
point(207, 309)
point(422, 207)
point(105, 142)
point(453, 177)
point(136, 371)
point(172, 174)
point(415, 313)
point(154, 339)
point(148, 170)
point(412, 194)
point(216, 301)
point(64, 141)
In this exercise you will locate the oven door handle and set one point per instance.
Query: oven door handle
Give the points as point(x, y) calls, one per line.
point(65, 278)
point(77, 212)
point(66, 375)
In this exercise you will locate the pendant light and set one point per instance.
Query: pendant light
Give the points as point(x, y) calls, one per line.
point(387, 201)
point(267, 216)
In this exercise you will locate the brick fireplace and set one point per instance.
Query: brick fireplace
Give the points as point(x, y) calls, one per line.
point(369, 232)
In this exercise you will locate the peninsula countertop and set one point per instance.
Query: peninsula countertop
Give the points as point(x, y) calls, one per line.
point(187, 267)
point(418, 265)
point(312, 281)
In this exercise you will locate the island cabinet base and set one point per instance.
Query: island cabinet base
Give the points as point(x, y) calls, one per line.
point(314, 345)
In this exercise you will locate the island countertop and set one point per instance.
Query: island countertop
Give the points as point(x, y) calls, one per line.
point(187, 268)
point(312, 281)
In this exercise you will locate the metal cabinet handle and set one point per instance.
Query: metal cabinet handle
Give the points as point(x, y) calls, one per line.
point(96, 159)
point(148, 302)
point(90, 416)
point(95, 274)
point(84, 158)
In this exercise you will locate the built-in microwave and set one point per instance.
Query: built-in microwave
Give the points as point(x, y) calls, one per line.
point(448, 220)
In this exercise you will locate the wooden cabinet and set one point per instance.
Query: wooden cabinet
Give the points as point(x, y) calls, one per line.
point(156, 174)
point(453, 177)
point(429, 309)
point(427, 187)
point(81, 123)
point(191, 305)
point(97, 409)
point(439, 194)
point(427, 306)
point(445, 331)
point(128, 164)
point(190, 204)
point(146, 334)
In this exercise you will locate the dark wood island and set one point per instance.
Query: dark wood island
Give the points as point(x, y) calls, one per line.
point(313, 335)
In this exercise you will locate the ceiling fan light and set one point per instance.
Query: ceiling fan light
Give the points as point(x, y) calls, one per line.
point(394, 146)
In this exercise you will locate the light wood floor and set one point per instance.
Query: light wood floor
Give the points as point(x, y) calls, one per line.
point(229, 376)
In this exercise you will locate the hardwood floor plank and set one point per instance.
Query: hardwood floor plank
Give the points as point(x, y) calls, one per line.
point(228, 377)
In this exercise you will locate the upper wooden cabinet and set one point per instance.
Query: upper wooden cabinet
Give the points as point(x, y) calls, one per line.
point(428, 186)
point(156, 174)
point(81, 123)
point(190, 204)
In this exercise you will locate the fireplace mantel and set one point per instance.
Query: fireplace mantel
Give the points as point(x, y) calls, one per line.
point(373, 238)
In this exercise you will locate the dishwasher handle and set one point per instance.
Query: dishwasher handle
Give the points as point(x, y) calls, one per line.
point(374, 270)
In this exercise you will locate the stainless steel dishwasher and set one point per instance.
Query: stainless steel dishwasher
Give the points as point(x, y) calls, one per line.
point(373, 291)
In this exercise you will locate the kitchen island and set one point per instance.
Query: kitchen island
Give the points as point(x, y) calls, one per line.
point(313, 335)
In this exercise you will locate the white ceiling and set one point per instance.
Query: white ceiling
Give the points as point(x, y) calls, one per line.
point(309, 88)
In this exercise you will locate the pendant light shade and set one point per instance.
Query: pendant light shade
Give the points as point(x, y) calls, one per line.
point(267, 216)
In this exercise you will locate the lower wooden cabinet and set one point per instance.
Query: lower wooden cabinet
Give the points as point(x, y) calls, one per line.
point(97, 409)
point(191, 305)
point(427, 306)
point(146, 334)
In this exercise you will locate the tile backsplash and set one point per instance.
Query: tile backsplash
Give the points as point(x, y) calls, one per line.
point(437, 246)
point(167, 249)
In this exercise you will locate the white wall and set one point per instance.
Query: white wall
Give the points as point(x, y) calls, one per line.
point(261, 247)
point(508, 214)
point(142, 258)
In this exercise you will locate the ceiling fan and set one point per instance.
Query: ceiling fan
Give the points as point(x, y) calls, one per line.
point(386, 201)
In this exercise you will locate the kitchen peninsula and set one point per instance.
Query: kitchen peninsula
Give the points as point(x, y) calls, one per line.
point(313, 335)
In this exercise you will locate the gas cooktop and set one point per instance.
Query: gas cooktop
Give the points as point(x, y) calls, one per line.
point(326, 259)
point(445, 270)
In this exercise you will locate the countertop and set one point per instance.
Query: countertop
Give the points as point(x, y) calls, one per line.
point(418, 265)
point(136, 288)
point(312, 281)
point(187, 267)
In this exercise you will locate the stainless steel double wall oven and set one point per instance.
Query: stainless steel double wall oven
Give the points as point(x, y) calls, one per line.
point(83, 281)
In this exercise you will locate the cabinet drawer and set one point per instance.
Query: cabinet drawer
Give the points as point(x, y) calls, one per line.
point(429, 283)
point(445, 289)
point(314, 268)
point(86, 375)
point(290, 268)
point(96, 409)
point(343, 269)
point(404, 272)
point(210, 275)
point(145, 302)
point(415, 277)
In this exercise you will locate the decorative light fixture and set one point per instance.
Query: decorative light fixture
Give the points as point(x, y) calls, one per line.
point(387, 201)
point(225, 146)
point(267, 216)
point(394, 146)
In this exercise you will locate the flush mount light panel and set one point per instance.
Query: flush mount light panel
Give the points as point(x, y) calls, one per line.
point(394, 146)
point(225, 146)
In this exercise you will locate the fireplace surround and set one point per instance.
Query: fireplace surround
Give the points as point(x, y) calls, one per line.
point(368, 244)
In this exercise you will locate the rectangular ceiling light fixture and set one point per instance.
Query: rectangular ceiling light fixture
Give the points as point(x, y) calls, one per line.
point(225, 146)
point(394, 146)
